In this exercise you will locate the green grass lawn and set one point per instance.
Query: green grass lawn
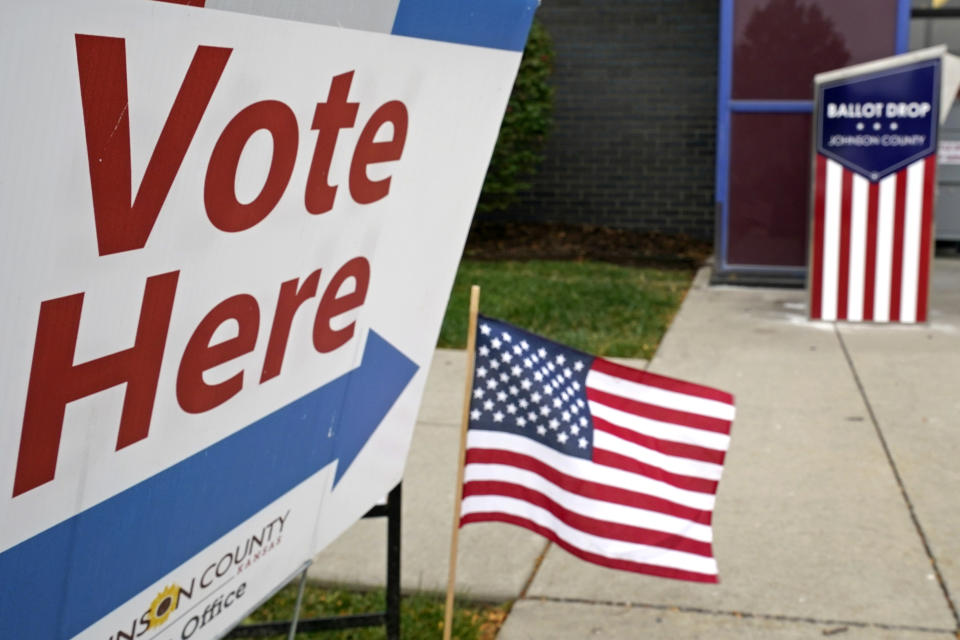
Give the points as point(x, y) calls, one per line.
point(421, 616)
point(600, 308)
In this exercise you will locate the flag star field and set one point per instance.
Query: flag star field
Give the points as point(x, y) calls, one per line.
point(526, 385)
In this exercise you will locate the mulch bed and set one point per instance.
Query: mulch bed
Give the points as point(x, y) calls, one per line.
point(549, 241)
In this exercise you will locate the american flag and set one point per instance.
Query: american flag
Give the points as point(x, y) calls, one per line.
point(616, 465)
point(871, 244)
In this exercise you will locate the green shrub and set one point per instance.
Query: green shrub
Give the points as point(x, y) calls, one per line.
point(525, 126)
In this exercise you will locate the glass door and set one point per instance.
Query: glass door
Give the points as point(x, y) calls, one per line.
point(769, 53)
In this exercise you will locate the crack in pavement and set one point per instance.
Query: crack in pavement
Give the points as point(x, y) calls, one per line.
point(903, 489)
point(743, 614)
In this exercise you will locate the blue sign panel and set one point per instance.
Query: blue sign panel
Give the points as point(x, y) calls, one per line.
point(876, 124)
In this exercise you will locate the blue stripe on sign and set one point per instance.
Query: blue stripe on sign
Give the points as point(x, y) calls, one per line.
point(63, 580)
point(498, 24)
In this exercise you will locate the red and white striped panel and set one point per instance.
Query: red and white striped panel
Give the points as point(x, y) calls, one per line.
point(871, 244)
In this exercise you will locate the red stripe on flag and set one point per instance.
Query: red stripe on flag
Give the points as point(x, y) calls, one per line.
point(870, 266)
point(587, 488)
point(624, 565)
point(656, 412)
point(632, 465)
point(592, 526)
point(819, 209)
point(843, 268)
point(899, 222)
point(667, 447)
point(926, 241)
point(660, 382)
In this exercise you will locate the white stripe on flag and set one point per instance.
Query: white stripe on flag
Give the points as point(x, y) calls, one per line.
point(662, 430)
point(911, 242)
point(589, 470)
point(831, 240)
point(599, 509)
point(606, 547)
point(858, 247)
point(885, 212)
point(673, 464)
point(660, 397)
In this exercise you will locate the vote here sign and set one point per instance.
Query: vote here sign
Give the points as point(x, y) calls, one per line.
point(226, 244)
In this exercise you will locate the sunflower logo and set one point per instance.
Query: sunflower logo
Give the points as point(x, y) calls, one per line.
point(163, 605)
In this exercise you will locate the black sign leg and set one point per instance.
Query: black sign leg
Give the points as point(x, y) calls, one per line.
point(389, 618)
point(393, 563)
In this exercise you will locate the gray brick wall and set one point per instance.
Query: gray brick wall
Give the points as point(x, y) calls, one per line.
point(634, 127)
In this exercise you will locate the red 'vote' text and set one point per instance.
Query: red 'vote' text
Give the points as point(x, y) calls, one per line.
point(124, 222)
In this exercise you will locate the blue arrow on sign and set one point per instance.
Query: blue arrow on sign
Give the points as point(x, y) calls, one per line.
point(66, 578)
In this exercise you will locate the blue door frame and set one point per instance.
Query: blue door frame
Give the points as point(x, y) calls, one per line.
point(724, 271)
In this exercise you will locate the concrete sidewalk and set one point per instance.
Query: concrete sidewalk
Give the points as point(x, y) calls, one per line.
point(838, 513)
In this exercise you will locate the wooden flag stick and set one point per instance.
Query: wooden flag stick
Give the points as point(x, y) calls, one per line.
point(464, 422)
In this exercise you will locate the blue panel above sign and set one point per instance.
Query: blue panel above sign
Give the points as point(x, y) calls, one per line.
point(499, 24)
point(878, 123)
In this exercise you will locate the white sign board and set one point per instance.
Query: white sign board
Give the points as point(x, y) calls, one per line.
point(226, 244)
